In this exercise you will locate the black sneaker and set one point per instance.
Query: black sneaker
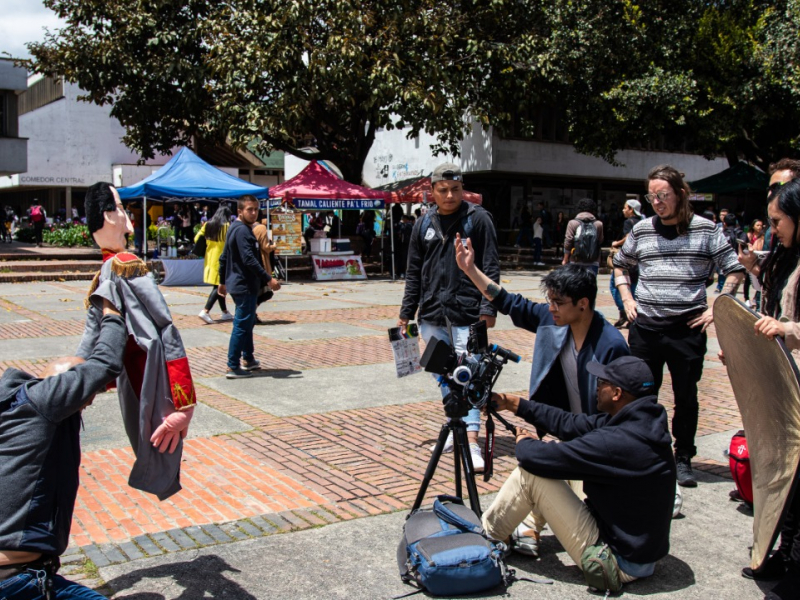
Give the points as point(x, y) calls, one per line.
point(253, 365)
point(774, 568)
point(685, 473)
point(238, 374)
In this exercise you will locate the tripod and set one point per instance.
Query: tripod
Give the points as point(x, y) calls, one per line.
point(462, 459)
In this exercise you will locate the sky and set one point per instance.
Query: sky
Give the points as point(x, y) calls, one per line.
point(23, 21)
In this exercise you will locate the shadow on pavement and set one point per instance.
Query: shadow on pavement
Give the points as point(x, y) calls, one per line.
point(278, 373)
point(274, 322)
point(671, 574)
point(203, 577)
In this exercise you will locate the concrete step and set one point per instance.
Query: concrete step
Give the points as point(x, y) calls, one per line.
point(49, 266)
point(27, 276)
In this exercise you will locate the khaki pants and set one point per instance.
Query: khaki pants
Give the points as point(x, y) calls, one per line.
point(550, 500)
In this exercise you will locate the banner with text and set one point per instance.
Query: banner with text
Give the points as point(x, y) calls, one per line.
point(329, 268)
point(326, 204)
point(287, 232)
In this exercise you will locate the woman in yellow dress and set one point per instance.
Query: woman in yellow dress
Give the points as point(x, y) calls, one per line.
point(215, 231)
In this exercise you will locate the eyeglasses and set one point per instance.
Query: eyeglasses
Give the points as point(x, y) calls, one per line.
point(652, 197)
point(774, 222)
point(556, 303)
point(775, 186)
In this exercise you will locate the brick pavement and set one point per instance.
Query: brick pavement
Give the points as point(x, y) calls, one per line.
point(292, 472)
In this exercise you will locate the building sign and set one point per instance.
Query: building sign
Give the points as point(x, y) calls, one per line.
point(50, 180)
point(328, 268)
point(324, 204)
point(287, 232)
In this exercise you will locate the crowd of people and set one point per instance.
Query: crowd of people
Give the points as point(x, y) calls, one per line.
point(613, 474)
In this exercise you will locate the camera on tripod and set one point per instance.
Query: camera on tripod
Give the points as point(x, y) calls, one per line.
point(467, 377)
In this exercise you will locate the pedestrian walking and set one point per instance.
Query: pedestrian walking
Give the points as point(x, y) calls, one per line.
point(215, 232)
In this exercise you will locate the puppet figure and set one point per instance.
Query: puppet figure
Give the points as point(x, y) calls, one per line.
point(156, 392)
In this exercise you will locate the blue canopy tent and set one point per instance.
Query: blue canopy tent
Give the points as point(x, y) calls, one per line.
point(188, 176)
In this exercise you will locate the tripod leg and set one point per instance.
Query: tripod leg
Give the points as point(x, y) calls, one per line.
point(461, 445)
point(431, 468)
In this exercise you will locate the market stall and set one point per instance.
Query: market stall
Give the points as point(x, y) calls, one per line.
point(186, 177)
point(315, 188)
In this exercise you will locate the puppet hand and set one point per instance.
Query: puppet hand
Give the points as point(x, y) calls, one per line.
point(172, 430)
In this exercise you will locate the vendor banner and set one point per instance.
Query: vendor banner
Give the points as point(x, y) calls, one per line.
point(329, 268)
point(327, 204)
point(287, 232)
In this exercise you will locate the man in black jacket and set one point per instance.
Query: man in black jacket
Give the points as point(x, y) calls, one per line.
point(40, 423)
point(437, 287)
point(242, 274)
point(624, 458)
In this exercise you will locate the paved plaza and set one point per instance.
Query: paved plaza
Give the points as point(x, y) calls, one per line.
point(296, 482)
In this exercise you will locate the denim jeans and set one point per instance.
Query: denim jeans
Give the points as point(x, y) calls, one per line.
point(241, 342)
point(26, 586)
point(461, 334)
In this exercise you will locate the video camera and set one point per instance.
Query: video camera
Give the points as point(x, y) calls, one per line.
point(468, 377)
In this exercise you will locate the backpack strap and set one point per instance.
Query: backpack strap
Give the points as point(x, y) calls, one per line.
point(448, 516)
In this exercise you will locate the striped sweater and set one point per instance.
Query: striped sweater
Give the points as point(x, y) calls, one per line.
point(673, 268)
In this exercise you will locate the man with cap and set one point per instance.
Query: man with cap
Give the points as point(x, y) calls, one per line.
point(632, 210)
point(436, 288)
point(623, 456)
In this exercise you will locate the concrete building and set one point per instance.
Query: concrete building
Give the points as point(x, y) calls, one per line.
point(13, 148)
point(512, 172)
point(73, 144)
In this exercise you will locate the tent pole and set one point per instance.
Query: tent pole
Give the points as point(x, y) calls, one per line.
point(144, 225)
point(391, 219)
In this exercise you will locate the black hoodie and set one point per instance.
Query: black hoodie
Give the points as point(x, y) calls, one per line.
point(626, 465)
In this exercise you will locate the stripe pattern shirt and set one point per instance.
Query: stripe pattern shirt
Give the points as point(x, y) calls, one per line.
point(673, 268)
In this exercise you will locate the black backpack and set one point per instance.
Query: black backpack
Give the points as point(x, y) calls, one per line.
point(586, 246)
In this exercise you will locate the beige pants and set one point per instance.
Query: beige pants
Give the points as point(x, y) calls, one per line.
point(549, 500)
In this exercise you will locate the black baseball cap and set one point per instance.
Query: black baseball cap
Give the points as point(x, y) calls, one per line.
point(627, 372)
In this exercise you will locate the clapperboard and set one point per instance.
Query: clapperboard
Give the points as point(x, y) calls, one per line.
point(405, 346)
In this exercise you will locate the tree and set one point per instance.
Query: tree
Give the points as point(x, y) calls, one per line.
point(287, 73)
point(326, 73)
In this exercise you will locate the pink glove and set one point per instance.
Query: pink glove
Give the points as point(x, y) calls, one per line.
point(172, 430)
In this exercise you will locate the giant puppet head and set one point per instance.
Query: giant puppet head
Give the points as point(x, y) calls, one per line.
point(106, 218)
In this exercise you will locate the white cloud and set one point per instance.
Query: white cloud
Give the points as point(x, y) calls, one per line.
point(24, 21)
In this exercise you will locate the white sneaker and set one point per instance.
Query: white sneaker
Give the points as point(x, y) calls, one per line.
point(477, 457)
point(226, 316)
point(676, 508)
point(206, 317)
point(448, 444)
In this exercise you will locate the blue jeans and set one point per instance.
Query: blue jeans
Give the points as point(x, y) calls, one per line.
point(461, 334)
point(537, 249)
point(241, 342)
point(615, 294)
point(25, 586)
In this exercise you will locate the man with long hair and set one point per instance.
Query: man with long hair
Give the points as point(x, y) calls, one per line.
point(674, 250)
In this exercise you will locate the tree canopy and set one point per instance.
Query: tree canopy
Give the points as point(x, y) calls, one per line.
point(722, 75)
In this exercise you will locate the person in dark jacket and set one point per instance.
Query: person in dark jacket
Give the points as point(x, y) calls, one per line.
point(436, 287)
point(40, 444)
point(242, 275)
point(624, 458)
point(569, 335)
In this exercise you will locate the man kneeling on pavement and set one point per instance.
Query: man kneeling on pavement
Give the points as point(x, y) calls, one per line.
point(40, 424)
point(623, 456)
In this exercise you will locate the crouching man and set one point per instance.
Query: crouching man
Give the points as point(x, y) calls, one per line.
point(40, 453)
point(623, 456)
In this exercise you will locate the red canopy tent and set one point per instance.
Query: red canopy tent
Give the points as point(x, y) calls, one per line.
point(316, 188)
point(418, 190)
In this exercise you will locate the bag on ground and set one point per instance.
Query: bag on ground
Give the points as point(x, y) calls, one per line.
point(600, 569)
point(739, 458)
point(586, 245)
point(445, 551)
